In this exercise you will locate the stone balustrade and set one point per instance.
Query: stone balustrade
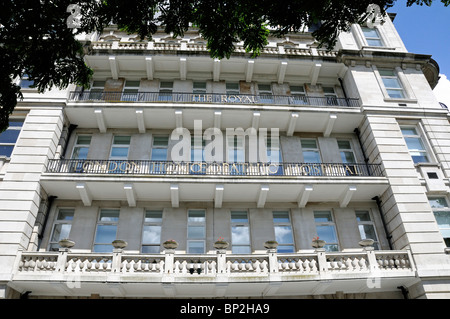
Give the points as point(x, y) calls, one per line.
point(363, 263)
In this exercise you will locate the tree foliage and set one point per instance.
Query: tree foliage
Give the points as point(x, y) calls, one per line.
point(35, 39)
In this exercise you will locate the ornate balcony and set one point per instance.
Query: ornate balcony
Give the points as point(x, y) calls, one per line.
point(181, 275)
point(158, 168)
point(143, 97)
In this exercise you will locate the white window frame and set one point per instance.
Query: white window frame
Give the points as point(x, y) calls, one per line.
point(130, 90)
point(231, 90)
point(236, 224)
point(284, 224)
point(53, 244)
point(379, 38)
point(165, 91)
point(445, 209)
point(13, 128)
point(419, 135)
point(298, 94)
point(330, 223)
point(265, 93)
point(105, 223)
point(316, 149)
point(194, 239)
point(154, 224)
point(369, 222)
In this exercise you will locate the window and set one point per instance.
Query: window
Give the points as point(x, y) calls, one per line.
point(346, 151)
point(415, 145)
point(392, 84)
point(310, 151)
point(196, 232)
point(25, 82)
point(330, 95)
point(236, 154)
point(61, 227)
point(298, 94)
point(130, 90)
point(165, 91)
point(441, 212)
point(283, 231)
point(106, 230)
point(199, 92)
point(8, 138)
point(366, 227)
point(372, 37)
point(265, 93)
point(80, 152)
point(274, 156)
point(326, 230)
point(232, 88)
point(151, 232)
point(159, 154)
point(240, 233)
point(120, 147)
point(197, 156)
point(96, 91)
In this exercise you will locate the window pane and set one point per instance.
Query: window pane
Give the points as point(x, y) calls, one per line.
point(196, 247)
point(119, 152)
point(6, 150)
point(153, 216)
point(374, 42)
point(395, 94)
point(159, 154)
point(132, 83)
point(160, 141)
point(61, 231)
point(80, 152)
point(122, 140)
point(327, 233)
point(9, 136)
point(197, 216)
point(283, 234)
point(151, 234)
point(408, 131)
point(414, 143)
point(105, 233)
point(65, 214)
point(109, 215)
point(323, 217)
point(363, 217)
point(387, 72)
point(311, 157)
point(196, 232)
point(150, 249)
point(392, 83)
point(439, 202)
point(348, 157)
point(281, 217)
point(309, 144)
point(166, 85)
point(344, 145)
point(239, 217)
point(240, 235)
point(370, 33)
point(103, 248)
point(443, 219)
point(367, 232)
point(84, 140)
point(285, 249)
point(241, 250)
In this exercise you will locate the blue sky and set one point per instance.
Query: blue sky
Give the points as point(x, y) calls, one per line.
point(425, 30)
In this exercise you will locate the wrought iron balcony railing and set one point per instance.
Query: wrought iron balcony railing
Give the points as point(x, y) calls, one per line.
point(147, 167)
point(294, 100)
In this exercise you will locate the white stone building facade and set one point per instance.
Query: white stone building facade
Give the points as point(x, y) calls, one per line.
point(296, 144)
